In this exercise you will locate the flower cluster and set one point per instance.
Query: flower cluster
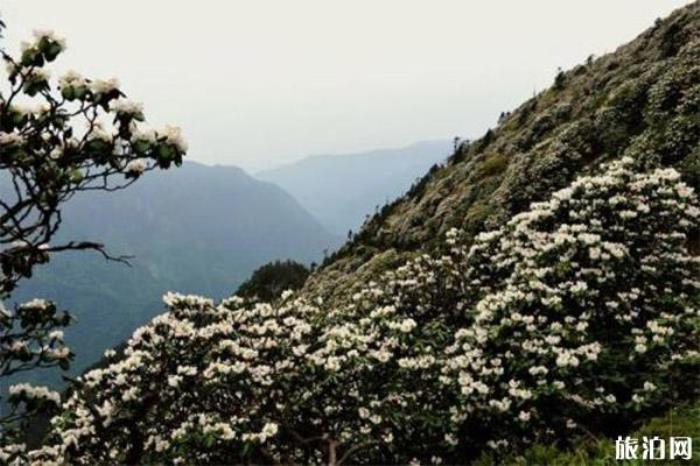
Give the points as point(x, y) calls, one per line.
point(31, 336)
point(27, 134)
point(571, 316)
point(30, 392)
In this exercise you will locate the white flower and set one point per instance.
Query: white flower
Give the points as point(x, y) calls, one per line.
point(451, 439)
point(33, 108)
point(173, 135)
point(72, 78)
point(56, 153)
point(36, 303)
point(187, 370)
point(174, 380)
point(11, 139)
point(407, 325)
point(98, 133)
point(579, 287)
point(40, 74)
point(566, 358)
point(104, 86)
point(38, 392)
point(144, 134)
point(332, 364)
point(269, 430)
point(135, 167)
point(128, 107)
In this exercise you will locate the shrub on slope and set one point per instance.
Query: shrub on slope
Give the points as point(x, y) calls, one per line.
point(269, 281)
point(578, 315)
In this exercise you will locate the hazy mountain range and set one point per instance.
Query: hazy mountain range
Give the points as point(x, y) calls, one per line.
point(341, 190)
point(194, 229)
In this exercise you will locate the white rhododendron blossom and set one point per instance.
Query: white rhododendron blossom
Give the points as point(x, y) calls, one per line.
point(530, 332)
point(128, 107)
point(72, 79)
point(29, 391)
point(173, 135)
point(135, 166)
point(11, 139)
point(104, 86)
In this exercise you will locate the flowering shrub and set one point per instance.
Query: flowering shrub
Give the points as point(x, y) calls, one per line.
point(57, 139)
point(577, 313)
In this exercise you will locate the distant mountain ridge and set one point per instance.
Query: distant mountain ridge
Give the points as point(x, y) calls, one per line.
point(196, 229)
point(341, 190)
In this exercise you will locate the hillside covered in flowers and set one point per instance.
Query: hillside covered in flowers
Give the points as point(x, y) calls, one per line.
point(541, 286)
point(640, 101)
point(578, 313)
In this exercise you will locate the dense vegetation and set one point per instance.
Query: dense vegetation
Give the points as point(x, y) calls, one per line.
point(269, 281)
point(538, 288)
point(579, 315)
point(600, 451)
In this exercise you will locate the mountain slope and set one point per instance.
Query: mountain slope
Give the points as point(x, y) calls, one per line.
point(641, 101)
point(197, 229)
point(577, 317)
point(341, 190)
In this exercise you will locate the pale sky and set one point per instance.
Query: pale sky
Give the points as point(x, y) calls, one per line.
point(256, 83)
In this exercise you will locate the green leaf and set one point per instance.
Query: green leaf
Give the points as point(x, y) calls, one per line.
point(28, 57)
point(68, 93)
point(141, 147)
point(80, 92)
point(52, 51)
point(165, 152)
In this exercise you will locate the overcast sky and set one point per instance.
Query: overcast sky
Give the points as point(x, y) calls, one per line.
point(256, 83)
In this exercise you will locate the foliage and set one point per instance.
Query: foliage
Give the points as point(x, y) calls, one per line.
point(579, 315)
point(598, 451)
point(56, 141)
point(269, 281)
point(494, 165)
